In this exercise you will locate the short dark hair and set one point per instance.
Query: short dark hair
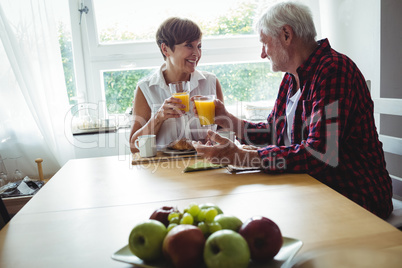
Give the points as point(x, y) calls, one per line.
point(174, 31)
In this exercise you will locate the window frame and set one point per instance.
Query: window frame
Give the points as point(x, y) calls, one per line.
point(92, 58)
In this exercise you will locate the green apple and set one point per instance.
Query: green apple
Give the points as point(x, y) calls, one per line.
point(226, 249)
point(229, 222)
point(146, 240)
point(211, 205)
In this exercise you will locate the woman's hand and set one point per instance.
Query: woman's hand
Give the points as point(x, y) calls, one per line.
point(170, 109)
point(144, 123)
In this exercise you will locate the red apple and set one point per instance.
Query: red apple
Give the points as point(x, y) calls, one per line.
point(161, 214)
point(184, 246)
point(263, 237)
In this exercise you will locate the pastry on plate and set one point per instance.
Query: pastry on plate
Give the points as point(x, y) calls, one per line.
point(181, 145)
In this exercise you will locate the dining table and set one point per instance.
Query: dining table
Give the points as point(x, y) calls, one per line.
point(86, 211)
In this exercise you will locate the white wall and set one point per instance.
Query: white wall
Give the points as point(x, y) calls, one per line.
point(353, 28)
point(389, 102)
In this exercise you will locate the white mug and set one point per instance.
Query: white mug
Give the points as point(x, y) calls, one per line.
point(227, 134)
point(147, 145)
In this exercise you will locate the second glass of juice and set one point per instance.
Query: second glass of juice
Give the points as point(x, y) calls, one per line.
point(206, 109)
point(181, 90)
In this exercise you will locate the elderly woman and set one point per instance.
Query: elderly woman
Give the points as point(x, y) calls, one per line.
point(155, 110)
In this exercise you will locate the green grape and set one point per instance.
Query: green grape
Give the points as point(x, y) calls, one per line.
point(201, 215)
point(173, 215)
point(203, 227)
point(210, 214)
point(193, 209)
point(211, 205)
point(175, 220)
point(213, 227)
point(187, 219)
point(196, 221)
point(170, 226)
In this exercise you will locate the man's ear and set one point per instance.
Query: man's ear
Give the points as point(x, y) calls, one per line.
point(288, 33)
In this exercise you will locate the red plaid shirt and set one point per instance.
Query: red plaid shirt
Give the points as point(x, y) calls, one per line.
point(334, 138)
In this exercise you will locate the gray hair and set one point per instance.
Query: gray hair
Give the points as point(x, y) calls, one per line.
point(296, 15)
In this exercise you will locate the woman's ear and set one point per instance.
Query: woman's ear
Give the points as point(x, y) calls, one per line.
point(165, 49)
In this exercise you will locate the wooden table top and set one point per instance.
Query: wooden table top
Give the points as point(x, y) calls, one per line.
point(86, 211)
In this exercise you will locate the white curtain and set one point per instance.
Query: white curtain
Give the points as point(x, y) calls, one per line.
point(33, 95)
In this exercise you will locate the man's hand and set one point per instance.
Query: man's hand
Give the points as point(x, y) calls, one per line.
point(222, 116)
point(222, 151)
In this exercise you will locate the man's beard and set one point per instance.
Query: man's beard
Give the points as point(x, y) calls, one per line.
point(280, 59)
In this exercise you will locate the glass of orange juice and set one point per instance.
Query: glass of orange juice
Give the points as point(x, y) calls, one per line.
point(181, 90)
point(206, 109)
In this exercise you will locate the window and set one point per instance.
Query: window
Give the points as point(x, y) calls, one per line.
point(127, 20)
point(114, 47)
point(66, 50)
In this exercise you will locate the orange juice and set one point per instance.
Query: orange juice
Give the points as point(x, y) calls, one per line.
point(184, 96)
point(206, 111)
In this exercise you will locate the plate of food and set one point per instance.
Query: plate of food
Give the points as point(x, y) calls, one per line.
point(178, 152)
point(283, 259)
point(180, 147)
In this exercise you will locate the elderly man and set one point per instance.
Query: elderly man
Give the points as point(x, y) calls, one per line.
point(322, 122)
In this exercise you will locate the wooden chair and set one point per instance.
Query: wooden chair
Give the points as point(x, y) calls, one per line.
point(4, 216)
point(396, 216)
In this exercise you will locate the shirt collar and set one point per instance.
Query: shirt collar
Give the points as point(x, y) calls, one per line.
point(195, 78)
point(309, 66)
point(159, 79)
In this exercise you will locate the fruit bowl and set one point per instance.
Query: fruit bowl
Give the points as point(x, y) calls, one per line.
point(283, 259)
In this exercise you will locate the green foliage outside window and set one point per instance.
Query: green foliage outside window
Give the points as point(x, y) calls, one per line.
point(239, 21)
point(119, 88)
point(246, 81)
point(67, 59)
point(240, 82)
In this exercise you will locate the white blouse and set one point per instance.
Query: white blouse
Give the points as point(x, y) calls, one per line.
point(156, 90)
